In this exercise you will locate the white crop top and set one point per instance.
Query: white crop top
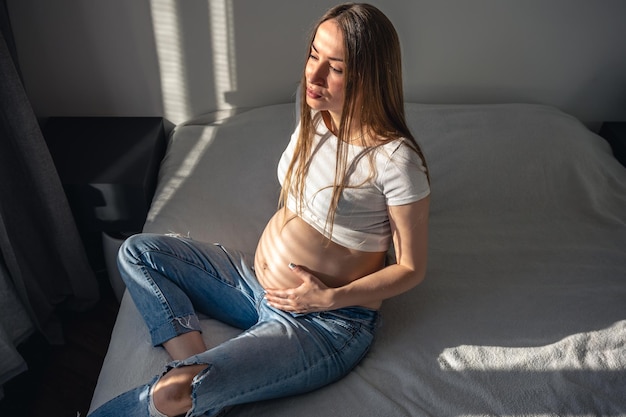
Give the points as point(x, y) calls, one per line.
point(361, 220)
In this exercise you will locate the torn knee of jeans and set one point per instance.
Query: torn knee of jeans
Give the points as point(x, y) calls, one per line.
point(151, 407)
point(197, 380)
point(193, 360)
point(179, 235)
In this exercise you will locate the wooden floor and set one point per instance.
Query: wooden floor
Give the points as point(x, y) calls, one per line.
point(61, 379)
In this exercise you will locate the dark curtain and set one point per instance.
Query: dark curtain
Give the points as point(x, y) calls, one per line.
point(39, 242)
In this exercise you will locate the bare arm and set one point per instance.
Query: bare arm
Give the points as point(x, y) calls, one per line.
point(409, 226)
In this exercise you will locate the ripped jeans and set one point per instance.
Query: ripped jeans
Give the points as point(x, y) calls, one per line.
point(278, 353)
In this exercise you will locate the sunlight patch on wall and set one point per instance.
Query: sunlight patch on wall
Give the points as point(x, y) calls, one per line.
point(167, 34)
point(223, 44)
point(170, 27)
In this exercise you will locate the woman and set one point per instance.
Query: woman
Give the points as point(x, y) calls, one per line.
point(353, 180)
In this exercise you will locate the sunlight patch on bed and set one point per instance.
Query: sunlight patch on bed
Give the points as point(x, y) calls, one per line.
point(589, 351)
point(167, 190)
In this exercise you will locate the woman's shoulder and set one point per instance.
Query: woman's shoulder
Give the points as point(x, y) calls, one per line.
point(400, 157)
point(399, 148)
point(404, 177)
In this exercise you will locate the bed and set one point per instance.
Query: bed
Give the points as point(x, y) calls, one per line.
point(523, 310)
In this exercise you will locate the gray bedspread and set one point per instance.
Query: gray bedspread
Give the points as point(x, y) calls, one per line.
point(523, 311)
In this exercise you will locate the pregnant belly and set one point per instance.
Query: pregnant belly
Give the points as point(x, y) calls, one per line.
point(296, 241)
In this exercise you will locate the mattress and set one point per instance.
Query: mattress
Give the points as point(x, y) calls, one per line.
point(523, 309)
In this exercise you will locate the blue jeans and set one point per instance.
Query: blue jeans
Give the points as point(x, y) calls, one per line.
point(278, 353)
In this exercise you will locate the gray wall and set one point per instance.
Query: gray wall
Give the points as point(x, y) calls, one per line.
point(183, 58)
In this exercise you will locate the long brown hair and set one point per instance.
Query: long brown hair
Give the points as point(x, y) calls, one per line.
point(373, 83)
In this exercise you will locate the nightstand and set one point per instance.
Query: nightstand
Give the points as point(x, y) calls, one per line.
point(108, 167)
point(615, 134)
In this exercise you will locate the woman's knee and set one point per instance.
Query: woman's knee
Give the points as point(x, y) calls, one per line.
point(136, 244)
point(172, 392)
point(131, 251)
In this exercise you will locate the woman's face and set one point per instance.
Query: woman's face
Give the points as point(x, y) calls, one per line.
point(325, 71)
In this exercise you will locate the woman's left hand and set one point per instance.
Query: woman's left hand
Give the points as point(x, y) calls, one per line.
point(310, 296)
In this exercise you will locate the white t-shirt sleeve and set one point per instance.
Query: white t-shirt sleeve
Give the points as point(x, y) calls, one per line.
point(285, 159)
point(404, 178)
